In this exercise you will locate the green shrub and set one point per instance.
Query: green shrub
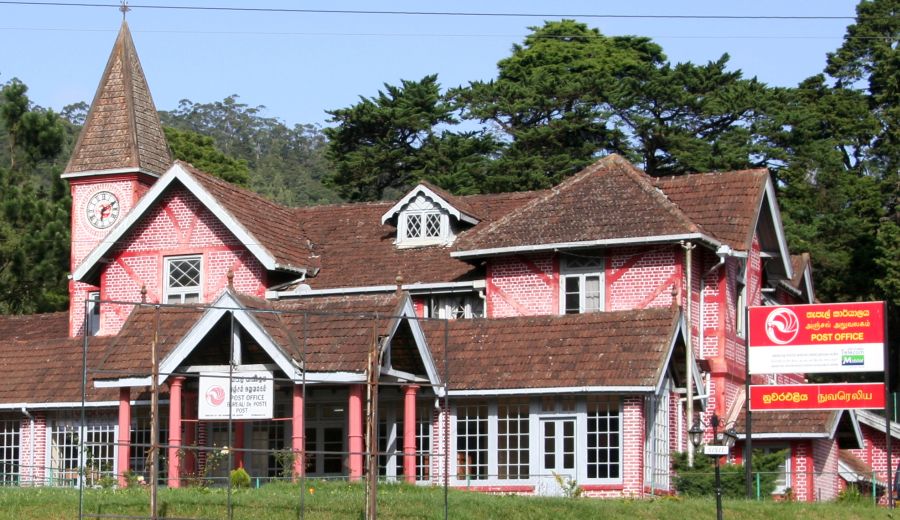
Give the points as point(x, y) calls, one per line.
point(700, 480)
point(240, 479)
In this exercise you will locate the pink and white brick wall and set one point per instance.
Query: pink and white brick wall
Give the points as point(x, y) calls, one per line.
point(177, 225)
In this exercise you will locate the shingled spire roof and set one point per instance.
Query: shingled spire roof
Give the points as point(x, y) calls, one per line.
point(122, 132)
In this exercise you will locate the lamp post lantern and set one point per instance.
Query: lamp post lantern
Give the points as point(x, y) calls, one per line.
point(729, 436)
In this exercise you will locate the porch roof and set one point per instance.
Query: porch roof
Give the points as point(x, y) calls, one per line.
point(790, 423)
point(626, 349)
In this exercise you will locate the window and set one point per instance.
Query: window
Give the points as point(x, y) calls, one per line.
point(740, 309)
point(9, 452)
point(604, 446)
point(93, 313)
point(455, 306)
point(183, 279)
point(512, 440)
point(423, 226)
point(139, 454)
point(656, 467)
point(581, 284)
point(98, 458)
point(472, 441)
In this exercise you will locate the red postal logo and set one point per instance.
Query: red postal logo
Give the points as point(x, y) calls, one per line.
point(782, 326)
point(215, 395)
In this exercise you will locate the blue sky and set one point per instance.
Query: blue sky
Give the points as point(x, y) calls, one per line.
point(300, 65)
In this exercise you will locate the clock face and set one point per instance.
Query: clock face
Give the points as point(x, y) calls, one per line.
point(102, 209)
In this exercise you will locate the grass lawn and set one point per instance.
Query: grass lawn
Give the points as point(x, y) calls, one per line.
point(334, 500)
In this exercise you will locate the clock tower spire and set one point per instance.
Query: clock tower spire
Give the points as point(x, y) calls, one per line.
point(120, 153)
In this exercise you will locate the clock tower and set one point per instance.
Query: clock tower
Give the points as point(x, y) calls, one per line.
point(119, 154)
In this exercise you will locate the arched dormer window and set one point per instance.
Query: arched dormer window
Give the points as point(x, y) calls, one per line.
point(426, 216)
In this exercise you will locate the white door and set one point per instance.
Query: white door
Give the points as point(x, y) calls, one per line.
point(558, 448)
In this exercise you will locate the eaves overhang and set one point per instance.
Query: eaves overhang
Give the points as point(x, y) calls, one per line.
point(586, 244)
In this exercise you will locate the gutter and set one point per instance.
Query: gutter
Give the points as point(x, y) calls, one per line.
point(305, 290)
point(656, 239)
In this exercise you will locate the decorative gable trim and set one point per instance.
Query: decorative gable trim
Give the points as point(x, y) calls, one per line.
point(769, 196)
point(407, 313)
point(224, 305)
point(440, 201)
point(153, 195)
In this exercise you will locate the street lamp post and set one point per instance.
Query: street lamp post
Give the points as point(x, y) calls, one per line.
point(729, 436)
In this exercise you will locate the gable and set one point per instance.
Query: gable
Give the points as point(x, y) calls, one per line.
point(263, 231)
point(608, 203)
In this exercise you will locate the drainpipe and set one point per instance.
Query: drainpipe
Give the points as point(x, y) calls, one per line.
point(722, 252)
point(30, 445)
point(689, 354)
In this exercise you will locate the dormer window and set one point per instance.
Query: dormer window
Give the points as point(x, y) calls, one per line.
point(425, 225)
point(424, 217)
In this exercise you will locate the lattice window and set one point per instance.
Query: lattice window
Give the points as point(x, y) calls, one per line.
point(139, 454)
point(183, 275)
point(414, 226)
point(604, 439)
point(512, 440)
point(9, 451)
point(432, 225)
point(657, 462)
point(97, 459)
point(423, 442)
point(472, 441)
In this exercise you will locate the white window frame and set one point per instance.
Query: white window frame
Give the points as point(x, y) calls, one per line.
point(182, 292)
point(444, 305)
point(424, 208)
point(10, 451)
point(540, 410)
point(93, 313)
point(106, 465)
point(569, 270)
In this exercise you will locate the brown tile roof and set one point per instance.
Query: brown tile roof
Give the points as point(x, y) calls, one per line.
point(129, 353)
point(787, 423)
point(626, 348)
point(353, 249)
point(459, 203)
point(609, 199)
point(34, 327)
point(335, 334)
point(854, 463)
point(725, 204)
point(331, 333)
point(49, 370)
point(272, 225)
point(122, 129)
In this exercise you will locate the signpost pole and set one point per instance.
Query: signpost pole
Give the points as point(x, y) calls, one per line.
point(887, 410)
point(748, 436)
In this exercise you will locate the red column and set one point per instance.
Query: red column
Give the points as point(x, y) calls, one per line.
point(355, 433)
point(409, 433)
point(238, 445)
point(174, 430)
point(298, 432)
point(189, 462)
point(124, 448)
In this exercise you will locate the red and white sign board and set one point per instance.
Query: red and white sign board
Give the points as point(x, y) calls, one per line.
point(250, 397)
point(832, 337)
point(817, 397)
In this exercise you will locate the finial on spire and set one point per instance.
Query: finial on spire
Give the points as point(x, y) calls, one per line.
point(124, 8)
